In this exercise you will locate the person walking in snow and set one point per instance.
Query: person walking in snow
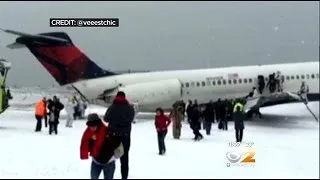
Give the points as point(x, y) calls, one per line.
point(161, 123)
point(238, 118)
point(120, 116)
point(53, 121)
point(40, 112)
point(70, 106)
point(82, 108)
point(103, 146)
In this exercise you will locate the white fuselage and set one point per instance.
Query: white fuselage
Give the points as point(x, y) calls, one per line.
point(161, 89)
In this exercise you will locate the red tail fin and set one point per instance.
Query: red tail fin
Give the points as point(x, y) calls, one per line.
point(63, 60)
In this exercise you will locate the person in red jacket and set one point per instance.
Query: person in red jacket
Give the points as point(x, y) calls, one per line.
point(161, 122)
point(102, 146)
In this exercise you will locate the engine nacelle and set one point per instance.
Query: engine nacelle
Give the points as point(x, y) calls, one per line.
point(155, 92)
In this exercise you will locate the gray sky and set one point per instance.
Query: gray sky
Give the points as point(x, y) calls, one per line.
point(168, 35)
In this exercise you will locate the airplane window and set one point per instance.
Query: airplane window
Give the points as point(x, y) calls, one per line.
point(229, 81)
point(245, 81)
point(292, 77)
point(219, 82)
point(240, 81)
point(192, 84)
point(297, 77)
point(234, 81)
point(302, 76)
point(187, 84)
point(308, 76)
point(213, 83)
point(312, 76)
point(224, 82)
point(288, 77)
point(198, 84)
point(250, 80)
point(208, 83)
point(203, 83)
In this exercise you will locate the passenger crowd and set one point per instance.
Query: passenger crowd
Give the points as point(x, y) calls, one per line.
point(109, 138)
point(49, 111)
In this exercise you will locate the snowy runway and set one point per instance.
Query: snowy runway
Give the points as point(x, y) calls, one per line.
point(289, 149)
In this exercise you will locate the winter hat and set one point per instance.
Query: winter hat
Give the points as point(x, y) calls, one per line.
point(93, 120)
point(121, 93)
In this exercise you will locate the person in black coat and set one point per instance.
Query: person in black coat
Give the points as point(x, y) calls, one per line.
point(220, 113)
point(238, 118)
point(189, 111)
point(120, 116)
point(195, 122)
point(229, 112)
point(55, 106)
point(209, 117)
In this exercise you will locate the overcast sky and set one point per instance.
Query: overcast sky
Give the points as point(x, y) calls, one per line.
point(168, 35)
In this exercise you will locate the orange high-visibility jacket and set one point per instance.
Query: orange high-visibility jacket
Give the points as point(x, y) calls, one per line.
point(40, 108)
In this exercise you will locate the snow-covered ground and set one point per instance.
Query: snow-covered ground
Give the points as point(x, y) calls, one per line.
point(286, 144)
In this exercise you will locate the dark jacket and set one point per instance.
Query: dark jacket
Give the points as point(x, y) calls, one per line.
point(98, 144)
point(189, 110)
point(58, 106)
point(238, 118)
point(209, 113)
point(220, 110)
point(229, 110)
point(195, 118)
point(162, 122)
point(120, 116)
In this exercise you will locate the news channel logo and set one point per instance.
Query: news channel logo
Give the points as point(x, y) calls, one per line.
point(241, 157)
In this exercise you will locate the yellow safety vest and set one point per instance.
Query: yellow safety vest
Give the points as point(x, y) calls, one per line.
point(236, 105)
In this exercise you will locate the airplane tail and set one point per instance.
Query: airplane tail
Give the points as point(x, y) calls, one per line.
point(62, 59)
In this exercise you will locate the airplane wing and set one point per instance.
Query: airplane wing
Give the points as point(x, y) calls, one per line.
point(275, 99)
point(271, 99)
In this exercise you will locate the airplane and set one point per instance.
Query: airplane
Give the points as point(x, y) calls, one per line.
point(149, 90)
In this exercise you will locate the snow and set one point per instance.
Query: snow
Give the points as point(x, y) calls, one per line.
point(286, 144)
